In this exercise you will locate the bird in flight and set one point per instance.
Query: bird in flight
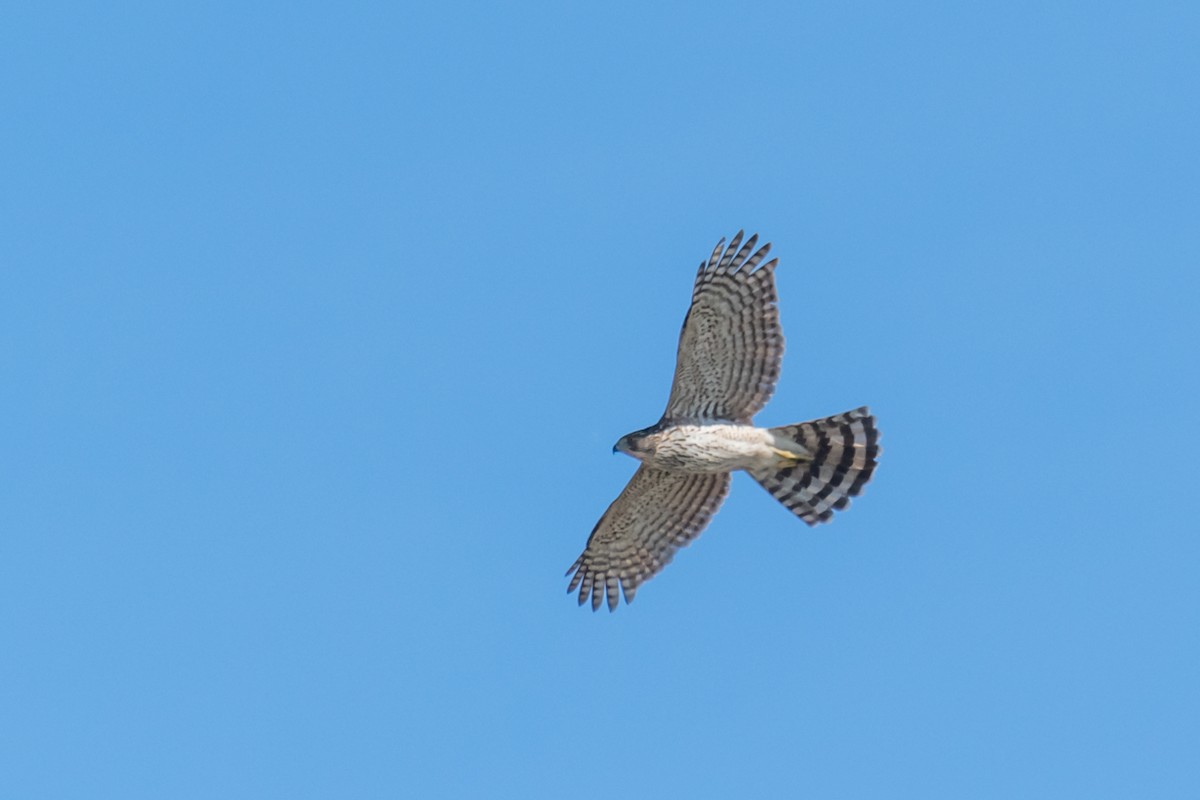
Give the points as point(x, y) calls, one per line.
point(726, 368)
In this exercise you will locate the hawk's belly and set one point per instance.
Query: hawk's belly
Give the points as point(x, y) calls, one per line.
point(710, 448)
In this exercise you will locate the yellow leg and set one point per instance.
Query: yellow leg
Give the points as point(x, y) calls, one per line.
point(787, 455)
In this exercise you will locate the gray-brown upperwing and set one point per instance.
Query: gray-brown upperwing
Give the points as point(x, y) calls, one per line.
point(731, 345)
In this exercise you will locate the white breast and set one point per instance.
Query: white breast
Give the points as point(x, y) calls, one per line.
point(710, 448)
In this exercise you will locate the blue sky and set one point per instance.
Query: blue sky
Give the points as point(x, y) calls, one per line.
point(317, 326)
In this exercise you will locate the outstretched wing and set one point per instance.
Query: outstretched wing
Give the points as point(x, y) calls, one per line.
point(731, 344)
point(657, 513)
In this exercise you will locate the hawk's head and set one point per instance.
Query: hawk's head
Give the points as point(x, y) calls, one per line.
point(636, 444)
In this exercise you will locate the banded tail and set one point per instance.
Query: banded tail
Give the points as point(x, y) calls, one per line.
point(843, 449)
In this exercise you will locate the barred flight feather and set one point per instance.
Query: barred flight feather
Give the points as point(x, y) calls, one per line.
point(657, 513)
point(845, 449)
point(731, 344)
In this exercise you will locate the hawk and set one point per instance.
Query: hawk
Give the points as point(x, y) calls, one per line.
point(726, 368)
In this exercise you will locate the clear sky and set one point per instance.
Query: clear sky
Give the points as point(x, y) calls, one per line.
point(318, 324)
